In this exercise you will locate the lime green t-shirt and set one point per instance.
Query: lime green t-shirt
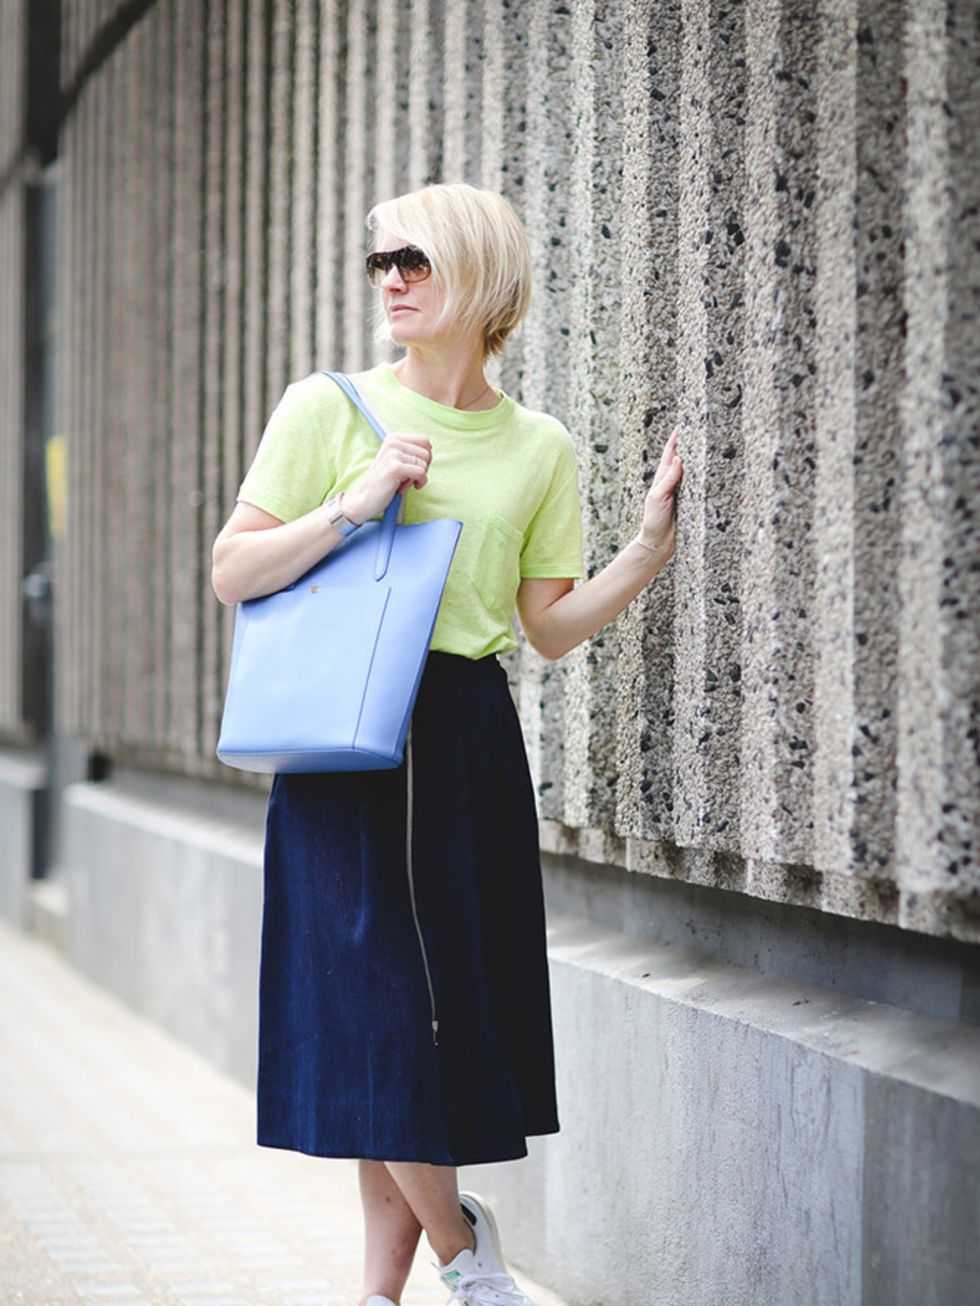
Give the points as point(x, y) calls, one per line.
point(507, 473)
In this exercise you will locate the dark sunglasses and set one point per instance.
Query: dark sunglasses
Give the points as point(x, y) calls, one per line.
point(411, 263)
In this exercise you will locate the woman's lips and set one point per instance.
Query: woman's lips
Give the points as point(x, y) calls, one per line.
point(401, 308)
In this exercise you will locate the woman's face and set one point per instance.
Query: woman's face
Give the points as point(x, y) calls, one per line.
point(411, 307)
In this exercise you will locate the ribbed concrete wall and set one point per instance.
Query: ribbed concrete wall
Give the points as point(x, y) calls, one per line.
point(759, 221)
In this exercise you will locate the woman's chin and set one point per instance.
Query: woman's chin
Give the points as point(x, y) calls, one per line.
point(402, 335)
point(398, 333)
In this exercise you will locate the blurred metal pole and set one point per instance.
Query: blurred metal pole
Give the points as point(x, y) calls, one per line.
point(39, 417)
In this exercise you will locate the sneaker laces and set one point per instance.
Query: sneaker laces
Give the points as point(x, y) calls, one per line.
point(466, 1292)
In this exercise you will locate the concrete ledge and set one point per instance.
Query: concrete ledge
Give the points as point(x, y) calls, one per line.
point(22, 777)
point(737, 1139)
point(47, 912)
point(166, 910)
point(728, 1137)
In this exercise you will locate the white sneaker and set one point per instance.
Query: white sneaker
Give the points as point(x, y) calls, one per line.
point(480, 1278)
point(379, 1301)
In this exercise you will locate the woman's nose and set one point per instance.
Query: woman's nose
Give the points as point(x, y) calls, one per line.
point(393, 279)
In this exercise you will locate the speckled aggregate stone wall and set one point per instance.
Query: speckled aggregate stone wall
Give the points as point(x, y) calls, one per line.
point(756, 221)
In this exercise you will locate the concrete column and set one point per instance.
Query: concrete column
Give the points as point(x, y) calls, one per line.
point(936, 794)
point(775, 670)
point(232, 436)
point(94, 575)
point(184, 436)
point(595, 187)
point(858, 345)
point(647, 407)
point(110, 525)
point(425, 92)
point(159, 253)
point(256, 399)
point(545, 333)
point(463, 92)
point(137, 310)
point(361, 92)
point(302, 290)
point(492, 92)
point(233, 157)
point(391, 153)
point(219, 197)
point(330, 183)
point(503, 153)
point(13, 35)
point(280, 215)
point(708, 622)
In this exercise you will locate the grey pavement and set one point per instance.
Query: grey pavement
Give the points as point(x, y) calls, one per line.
point(129, 1174)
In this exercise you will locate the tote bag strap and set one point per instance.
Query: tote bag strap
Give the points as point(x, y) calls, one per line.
point(386, 536)
point(351, 391)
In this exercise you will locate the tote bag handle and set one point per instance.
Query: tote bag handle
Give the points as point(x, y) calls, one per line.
point(386, 536)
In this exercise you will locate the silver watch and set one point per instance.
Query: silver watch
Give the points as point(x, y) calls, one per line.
point(336, 518)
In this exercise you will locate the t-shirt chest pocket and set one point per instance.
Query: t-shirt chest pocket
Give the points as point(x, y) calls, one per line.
point(497, 571)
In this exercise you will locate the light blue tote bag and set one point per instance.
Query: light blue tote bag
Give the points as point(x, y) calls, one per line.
point(324, 673)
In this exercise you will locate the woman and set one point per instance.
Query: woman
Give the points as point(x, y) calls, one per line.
point(404, 1018)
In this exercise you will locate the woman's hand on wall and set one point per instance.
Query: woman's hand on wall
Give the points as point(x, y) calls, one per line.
point(556, 614)
point(657, 529)
point(402, 460)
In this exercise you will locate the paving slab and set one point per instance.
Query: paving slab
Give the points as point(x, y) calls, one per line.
point(129, 1172)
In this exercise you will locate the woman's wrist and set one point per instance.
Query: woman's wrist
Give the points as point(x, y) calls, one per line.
point(335, 515)
point(350, 511)
point(650, 550)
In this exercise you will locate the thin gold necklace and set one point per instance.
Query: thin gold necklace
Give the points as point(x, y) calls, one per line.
point(459, 406)
point(479, 396)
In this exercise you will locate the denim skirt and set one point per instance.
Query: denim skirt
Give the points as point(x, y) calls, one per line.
point(404, 1006)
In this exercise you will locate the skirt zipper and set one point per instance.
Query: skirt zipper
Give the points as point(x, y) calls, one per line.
point(411, 883)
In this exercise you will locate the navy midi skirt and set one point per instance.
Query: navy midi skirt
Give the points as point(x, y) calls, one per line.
point(404, 1005)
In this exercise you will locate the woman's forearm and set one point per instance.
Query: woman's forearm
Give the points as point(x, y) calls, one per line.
point(250, 563)
point(588, 607)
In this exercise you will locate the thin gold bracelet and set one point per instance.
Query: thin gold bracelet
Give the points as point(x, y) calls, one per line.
point(649, 547)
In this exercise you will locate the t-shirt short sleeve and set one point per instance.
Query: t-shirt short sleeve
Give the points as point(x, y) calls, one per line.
point(292, 469)
point(553, 539)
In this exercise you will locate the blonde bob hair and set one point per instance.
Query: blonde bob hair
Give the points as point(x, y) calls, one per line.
point(479, 255)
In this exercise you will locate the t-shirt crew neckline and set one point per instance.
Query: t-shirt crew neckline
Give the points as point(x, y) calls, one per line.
point(481, 420)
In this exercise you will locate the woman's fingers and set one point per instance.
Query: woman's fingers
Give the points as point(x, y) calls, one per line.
point(672, 461)
point(669, 455)
point(411, 456)
point(665, 481)
point(412, 469)
point(407, 459)
point(419, 445)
